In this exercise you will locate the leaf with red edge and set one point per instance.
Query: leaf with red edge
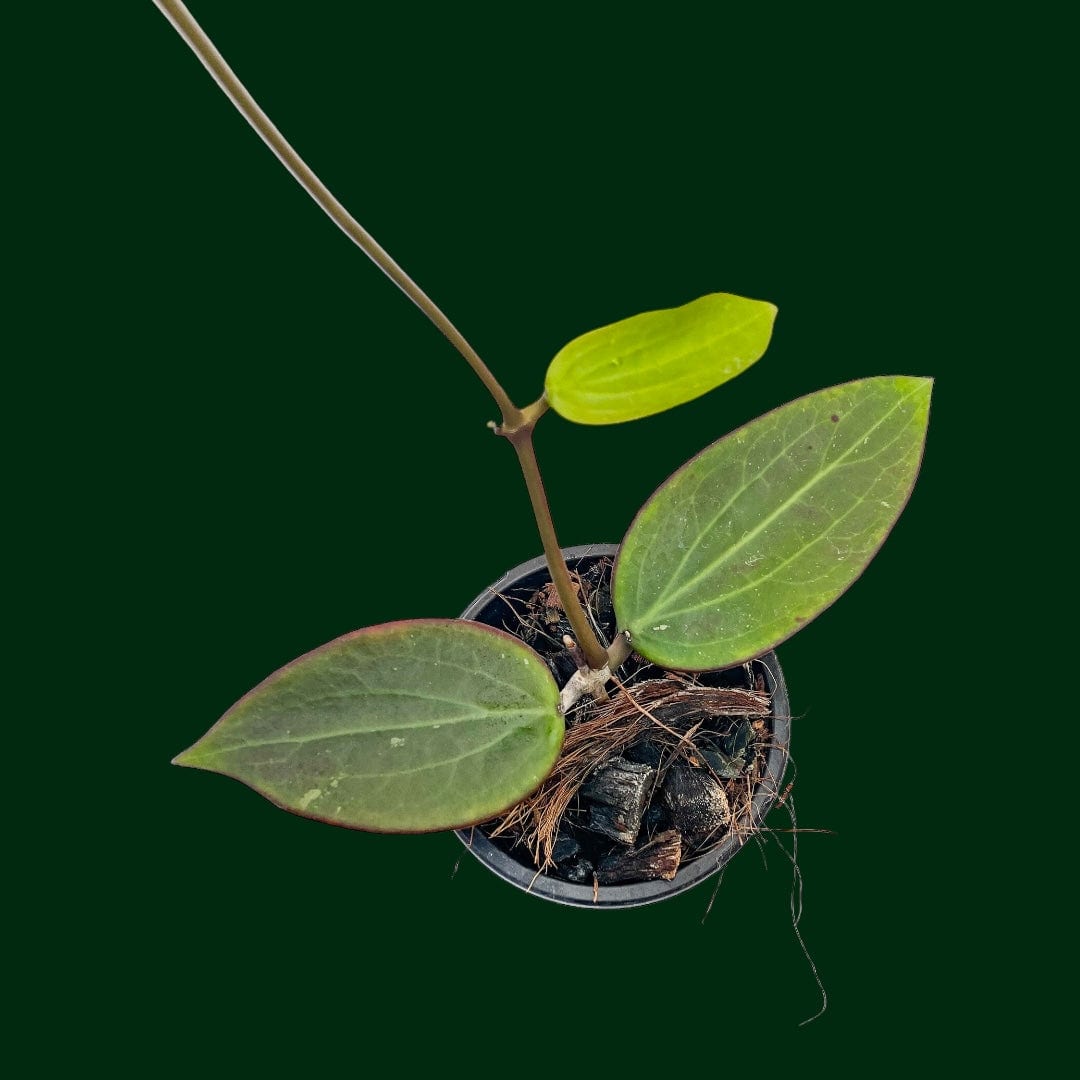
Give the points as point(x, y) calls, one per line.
point(405, 727)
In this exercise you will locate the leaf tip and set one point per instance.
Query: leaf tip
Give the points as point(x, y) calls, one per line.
point(189, 758)
point(922, 388)
point(919, 384)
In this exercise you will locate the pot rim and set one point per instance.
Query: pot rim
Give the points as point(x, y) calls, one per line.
point(634, 894)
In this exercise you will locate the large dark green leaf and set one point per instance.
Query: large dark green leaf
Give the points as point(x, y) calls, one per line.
point(405, 727)
point(655, 361)
point(767, 527)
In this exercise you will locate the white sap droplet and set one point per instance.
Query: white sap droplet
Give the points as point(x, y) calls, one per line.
point(662, 626)
point(396, 742)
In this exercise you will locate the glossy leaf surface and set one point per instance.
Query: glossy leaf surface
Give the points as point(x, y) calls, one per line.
point(657, 360)
point(764, 529)
point(405, 727)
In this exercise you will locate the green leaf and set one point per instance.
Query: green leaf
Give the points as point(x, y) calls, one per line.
point(405, 727)
point(655, 361)
point(766, 528)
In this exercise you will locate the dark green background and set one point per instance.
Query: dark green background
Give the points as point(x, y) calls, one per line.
point(247, 443)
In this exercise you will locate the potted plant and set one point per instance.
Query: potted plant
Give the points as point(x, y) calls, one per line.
point(441, 724)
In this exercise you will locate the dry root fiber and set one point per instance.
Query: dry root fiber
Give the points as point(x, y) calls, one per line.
point(671, 711)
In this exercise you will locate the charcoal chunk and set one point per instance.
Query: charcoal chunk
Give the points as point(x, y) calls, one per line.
point(738, 738)
point(696, 802)
point(570, 861)
point(659, 858)
point(644, 752)
point(580, 872)
point(616, 795)
point(656, 818)
point(565, 849)
point(727, 768)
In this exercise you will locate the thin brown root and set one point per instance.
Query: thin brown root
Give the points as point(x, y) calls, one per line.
point(457, 865)
point(609, 728)
point(797, 907)
point(712, 898)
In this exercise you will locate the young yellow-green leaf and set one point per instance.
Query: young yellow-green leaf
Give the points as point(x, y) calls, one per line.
point(766, 528)
point(655, 361)
point(406, 727)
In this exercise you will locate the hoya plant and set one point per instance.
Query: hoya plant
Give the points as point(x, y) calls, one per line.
point(433, 724)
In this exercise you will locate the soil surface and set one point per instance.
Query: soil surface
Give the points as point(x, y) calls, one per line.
point(652, 778)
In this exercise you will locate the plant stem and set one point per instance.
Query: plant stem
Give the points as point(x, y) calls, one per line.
point(186, 26)
point(517, 424)
point(522, 442)
point(619, 651)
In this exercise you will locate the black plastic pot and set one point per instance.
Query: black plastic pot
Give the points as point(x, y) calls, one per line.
point(489, 608)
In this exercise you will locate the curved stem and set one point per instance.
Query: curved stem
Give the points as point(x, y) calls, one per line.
point(595, 653)
point(186, 26)
point(517, 424)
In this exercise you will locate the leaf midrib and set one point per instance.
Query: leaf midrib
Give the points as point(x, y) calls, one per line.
point(441, 764)
point(351, 732)
point(756, 582)
point(605, 375)
point(655, 608)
